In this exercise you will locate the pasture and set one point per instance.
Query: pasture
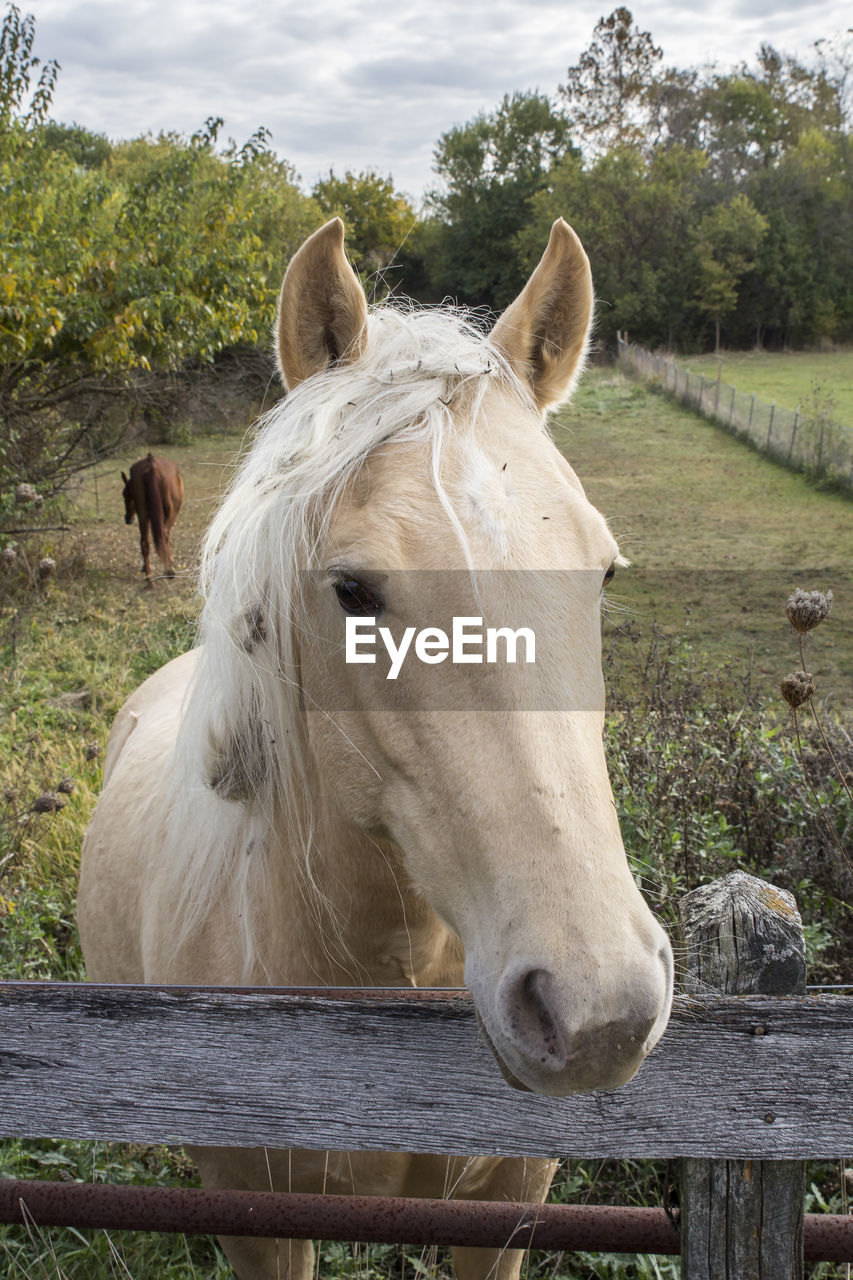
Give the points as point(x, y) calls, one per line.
point(817, 381)
point(718, 537)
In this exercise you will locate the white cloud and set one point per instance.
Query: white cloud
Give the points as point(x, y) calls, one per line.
point(370, 86)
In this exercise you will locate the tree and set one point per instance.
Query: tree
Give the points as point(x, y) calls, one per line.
point(17, 66)
point(88, 149)
point(491, 169)
point(750, 117)
point(633, 213)
point(609, 91)
point(726, 243)
point(377, 218)
point(120, 264)
point(799, 290)
point(836, 61)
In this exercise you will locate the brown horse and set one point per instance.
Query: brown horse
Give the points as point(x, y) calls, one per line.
point(154, 492)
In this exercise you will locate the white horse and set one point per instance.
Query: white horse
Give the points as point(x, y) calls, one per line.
point(275, 814)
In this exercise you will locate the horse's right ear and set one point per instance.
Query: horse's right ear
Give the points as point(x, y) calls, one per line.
point(124, 478)
point(322, 311)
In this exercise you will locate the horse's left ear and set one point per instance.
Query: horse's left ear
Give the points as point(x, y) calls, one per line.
point(124, 478)
point(322, 311)
point(543, 334)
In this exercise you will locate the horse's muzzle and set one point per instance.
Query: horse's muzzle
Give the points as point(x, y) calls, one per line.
point(549, 1040)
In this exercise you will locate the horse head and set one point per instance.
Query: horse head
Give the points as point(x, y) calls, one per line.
point(438, 495)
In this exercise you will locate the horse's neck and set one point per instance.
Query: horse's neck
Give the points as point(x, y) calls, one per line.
point(358, 921)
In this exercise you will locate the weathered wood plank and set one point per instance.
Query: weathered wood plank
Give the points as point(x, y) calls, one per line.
point(742, 1219)
point(407, 1071)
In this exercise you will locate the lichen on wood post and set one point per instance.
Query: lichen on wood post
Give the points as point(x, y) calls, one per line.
point(742, 1219)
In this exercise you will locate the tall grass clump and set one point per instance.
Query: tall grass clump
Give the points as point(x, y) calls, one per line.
point(708, 777)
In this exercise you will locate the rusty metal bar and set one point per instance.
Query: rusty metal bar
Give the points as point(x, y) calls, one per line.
point(373, 1219)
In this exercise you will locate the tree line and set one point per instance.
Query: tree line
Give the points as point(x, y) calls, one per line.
point(715, 207)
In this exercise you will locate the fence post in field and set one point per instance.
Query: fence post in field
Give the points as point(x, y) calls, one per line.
point(732, 406)
point(793, 434)
point(742, 1219)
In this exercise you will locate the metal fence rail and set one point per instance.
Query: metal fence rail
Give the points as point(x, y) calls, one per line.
point(812, 443)
point(376, 1219)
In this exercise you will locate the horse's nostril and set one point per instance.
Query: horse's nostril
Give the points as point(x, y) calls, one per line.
point(529, 1008)
point(539, 1003)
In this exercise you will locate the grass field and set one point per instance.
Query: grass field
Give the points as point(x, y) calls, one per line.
point(812, 380)
point(717, 536)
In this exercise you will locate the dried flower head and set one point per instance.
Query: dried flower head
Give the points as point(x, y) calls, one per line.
point(25, 493)
point(66, 787)
point(93, 750)
point(797, 688)
point(47, 568)
point(49, 802)
point(806, 609)
point(9, 556)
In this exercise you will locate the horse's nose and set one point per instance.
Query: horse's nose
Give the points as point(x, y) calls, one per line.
point(567, 1040)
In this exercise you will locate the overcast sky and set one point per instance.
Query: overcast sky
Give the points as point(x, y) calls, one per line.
point(363, 84)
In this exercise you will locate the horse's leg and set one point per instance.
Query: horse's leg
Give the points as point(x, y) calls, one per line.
point(517, 1179)
point(254, 1169)
point(269, 1259)
point(145, 547)
point(167, 545)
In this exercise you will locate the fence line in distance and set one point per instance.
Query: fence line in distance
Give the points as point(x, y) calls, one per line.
point(811, 443)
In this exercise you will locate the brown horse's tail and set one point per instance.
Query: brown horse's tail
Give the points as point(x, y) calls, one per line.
point(154, 503)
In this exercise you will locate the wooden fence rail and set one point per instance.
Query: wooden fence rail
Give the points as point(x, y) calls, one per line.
point(737, 1077)
point(757, 1077)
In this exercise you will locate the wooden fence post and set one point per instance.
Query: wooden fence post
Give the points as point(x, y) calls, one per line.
point(742, 1219)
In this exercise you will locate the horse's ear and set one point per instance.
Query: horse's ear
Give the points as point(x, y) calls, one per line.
point(124, 478)
point(322, 311)
point(543, 334)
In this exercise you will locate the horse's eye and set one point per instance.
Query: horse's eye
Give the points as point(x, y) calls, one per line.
point(610, 575)
point(357, 598)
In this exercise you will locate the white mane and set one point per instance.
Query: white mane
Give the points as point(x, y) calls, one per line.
point(242, 772)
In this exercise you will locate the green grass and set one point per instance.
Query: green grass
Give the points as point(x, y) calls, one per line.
point(717, 535)
point(808, 379)
point(69, 655)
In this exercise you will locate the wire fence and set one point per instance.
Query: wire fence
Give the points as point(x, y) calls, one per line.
point(810, 442)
